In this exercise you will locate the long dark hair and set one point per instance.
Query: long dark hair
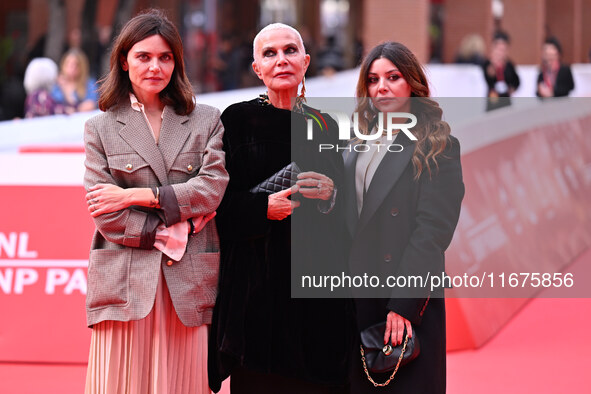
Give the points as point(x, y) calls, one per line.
point(115, 86)
point(432, 133)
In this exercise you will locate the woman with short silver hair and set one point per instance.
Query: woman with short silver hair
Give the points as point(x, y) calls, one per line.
point(40, 77)
point(266, 340)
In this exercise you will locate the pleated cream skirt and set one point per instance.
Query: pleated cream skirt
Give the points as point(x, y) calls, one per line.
point(155, 355)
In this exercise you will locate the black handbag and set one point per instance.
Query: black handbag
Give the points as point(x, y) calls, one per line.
point(281, 180)
point(380, 358)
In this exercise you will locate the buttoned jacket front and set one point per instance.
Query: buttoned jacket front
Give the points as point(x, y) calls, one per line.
point(403, 230)
point(121, 150)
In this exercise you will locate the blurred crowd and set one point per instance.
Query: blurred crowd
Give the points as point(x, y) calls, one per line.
point(47, 88)
point(51, 90)
point(554, 78)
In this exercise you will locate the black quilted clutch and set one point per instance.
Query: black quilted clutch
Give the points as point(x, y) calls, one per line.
point(281, 180)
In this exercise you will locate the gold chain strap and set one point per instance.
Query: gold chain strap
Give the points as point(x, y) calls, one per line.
point(387, 382)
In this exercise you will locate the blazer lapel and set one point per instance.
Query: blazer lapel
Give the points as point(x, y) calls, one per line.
point(173, 135)
point(387, 174)
point(137, 134)
point(350, 193)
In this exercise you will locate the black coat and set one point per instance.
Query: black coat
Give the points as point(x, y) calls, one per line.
point(564, 81)
point(256, 323)
point(510, 77)
point(498, 99)
point(403, 229)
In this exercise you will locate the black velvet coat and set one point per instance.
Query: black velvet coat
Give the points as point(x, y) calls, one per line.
point(256, 323)
point(404, 228)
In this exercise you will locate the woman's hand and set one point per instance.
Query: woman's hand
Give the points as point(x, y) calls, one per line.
point(315, 185)
point(395, 329)
point(545, 90)
point(106, 198)
point(280, 206)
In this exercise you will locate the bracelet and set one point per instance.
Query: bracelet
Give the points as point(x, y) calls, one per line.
point(156, 201)
point(190, 220)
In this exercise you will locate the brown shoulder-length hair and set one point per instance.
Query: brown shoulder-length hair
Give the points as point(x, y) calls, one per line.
point(432, 133)
point(116, 86)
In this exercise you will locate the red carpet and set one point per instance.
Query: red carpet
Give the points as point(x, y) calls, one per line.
point(544, 349)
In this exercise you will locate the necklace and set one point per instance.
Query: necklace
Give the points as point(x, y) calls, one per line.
point(264, 99)
point(298, 107)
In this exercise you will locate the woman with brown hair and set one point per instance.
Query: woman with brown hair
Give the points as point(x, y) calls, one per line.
point(500, 73)
point(555, 78)
point(402, 208)
point(75, 90)
point(155, 176)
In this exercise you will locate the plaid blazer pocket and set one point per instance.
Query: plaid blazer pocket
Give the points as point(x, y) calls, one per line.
point(206, 267)
point(185, 166)
point(108, 278)
point(122, 165)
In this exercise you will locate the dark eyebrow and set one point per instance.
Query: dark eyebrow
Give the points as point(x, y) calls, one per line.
point(291, 44)
point(387, 72)
point(149, 53)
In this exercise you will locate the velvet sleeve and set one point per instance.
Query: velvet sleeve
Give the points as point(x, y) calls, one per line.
point(242, 214)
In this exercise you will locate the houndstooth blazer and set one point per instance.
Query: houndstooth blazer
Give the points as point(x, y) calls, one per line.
point(121, 150)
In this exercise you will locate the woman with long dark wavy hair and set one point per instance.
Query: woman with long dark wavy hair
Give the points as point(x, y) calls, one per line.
point(402, 208)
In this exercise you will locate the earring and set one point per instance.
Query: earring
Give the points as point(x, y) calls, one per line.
point(303, 91)
point(301, 99)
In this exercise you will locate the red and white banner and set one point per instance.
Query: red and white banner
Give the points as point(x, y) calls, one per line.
point(45, 234)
